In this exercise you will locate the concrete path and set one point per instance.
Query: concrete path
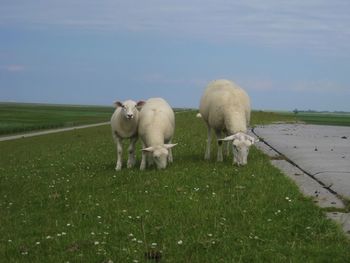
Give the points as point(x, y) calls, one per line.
point(38, 133)
point(321, 151)
point(317, 159)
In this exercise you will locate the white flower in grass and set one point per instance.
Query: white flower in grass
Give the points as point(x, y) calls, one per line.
point(147, 211)
point(131, 235)
point(96, 243)
point(49, 237)
point(139, 241)
point(210, 235)
point(154, 244)
point(180, 242)
point(37, 243)
point(93, 233)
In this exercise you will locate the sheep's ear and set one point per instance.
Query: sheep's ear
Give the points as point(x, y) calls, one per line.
point(118, 104)
point(140, 104)
point(229, 138)
point(170, 145)
point(149, 149)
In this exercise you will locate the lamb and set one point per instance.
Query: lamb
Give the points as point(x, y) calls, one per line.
point(124, 124)
point(156, 130)
point(225, 107)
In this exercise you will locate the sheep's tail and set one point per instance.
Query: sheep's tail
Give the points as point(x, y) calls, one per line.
point(199, 115)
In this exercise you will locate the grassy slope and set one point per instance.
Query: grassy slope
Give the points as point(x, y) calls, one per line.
point(61, 190)
point(27, 117)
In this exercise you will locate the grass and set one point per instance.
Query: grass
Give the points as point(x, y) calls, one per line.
point(17, 117)
point(61, 200)
point(339, 119)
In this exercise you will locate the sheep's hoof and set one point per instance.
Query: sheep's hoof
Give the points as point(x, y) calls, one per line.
point(130, 164)
point(118, 167)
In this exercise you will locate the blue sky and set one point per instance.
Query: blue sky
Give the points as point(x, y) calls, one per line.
point(286, 54)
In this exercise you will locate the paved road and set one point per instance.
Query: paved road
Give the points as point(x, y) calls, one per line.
point(321, 151)
point(31, 134)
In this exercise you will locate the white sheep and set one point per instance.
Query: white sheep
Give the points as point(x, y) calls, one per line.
point(225, 107)
point(124, 123)
point(156, 130)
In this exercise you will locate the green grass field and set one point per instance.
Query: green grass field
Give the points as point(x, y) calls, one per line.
point(62, 201)
point(16, 117)
point(339, 119)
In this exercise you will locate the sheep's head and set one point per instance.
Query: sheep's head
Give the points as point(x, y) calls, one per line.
point(160, 154)
point(241, 143)
point(129, 108)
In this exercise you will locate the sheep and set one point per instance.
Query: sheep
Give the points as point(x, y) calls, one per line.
point(156, 130)
point(124, 123)
point(225, 107)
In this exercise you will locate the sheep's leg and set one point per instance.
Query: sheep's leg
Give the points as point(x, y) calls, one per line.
point(131, 150)
point(150, 160)
point(207, 150)
point(170, 156)
point(143, 158)
point(218, 136)
point(227, 148)
point(118, 142)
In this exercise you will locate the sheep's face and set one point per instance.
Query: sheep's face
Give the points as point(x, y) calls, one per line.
point(129, 108)
point(160, 154)
point(241, 143)
point(240, 151)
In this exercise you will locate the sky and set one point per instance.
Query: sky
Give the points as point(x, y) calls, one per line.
point(286, 54)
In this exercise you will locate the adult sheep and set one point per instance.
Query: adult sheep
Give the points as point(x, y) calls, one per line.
point(124, 123)
point(225, 107)
point(156, 130)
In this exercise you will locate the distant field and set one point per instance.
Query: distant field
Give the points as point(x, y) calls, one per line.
point(62, 201)
point(17, 117)
point(340, 119)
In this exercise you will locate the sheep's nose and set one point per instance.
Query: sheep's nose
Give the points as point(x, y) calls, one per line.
point(130, 116)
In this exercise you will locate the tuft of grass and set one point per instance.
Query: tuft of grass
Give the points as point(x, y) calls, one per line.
point(61, 200)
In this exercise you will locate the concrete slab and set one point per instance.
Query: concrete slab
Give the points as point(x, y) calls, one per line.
point(314, 186)
point(321, 151)
point(307, 185)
